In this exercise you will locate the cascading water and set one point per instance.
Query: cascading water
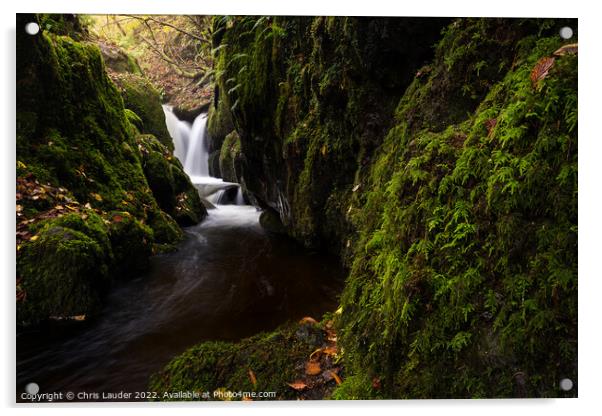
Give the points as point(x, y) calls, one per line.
point(196, 163)
point(190, 148)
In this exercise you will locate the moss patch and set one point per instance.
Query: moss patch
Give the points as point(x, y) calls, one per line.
point(276, 359)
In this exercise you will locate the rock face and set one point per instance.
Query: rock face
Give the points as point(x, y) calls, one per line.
point(446, 179)
point(74, 136)
point(311, 111)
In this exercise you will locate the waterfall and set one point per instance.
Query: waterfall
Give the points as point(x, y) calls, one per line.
point(179, 132)
point(239, 198)
point(196, 162)
point(190, 148)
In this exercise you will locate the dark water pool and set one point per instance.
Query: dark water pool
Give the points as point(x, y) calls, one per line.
point(229, 279)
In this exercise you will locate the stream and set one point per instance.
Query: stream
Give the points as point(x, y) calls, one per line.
point(228, 279)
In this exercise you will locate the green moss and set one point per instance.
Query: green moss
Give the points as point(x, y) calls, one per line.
point(443, 185)
point(165, 230)
point(63, 272)
point(229, 157)
point(459, 288)
point(134, 119)
point(171, 187)
point(140, 96)
point(274, 357)
point(131, 241)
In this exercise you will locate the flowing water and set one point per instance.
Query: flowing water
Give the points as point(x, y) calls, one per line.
point(228, 279)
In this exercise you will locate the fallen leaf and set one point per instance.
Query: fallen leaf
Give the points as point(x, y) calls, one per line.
point(570, 49)
point(541, 69)
point(376, 383)
point(252, 377)
point(117, 218)
point(59, 207)
point(326, 351)
point(298, 385)
point(312, 368)
point(337, 379)
point(34, 238)
point(308, 320)
point(96, 196)
point(79, 317)
point(246, 399)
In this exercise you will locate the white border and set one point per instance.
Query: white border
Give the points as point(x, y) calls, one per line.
point(589, 202)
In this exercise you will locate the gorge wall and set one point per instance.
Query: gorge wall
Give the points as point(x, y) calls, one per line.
point(445, 178)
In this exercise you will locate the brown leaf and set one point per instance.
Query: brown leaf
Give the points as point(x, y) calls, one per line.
point(308, 320)
point(312, 368)
point(252, 377)
point(337, 379)
point(541, 69)
point(326, 351)
point(376, 383)
point(117, 218)
point(298, 385)
point(570, 49)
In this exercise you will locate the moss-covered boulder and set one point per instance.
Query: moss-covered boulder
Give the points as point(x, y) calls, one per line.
point(77, 153)
point(140, 96)
point(63, 270)
point(132, 243)
point(230, 158)
point(171, 187)
point(117, 60)
point(165, 229)
point(275, 360)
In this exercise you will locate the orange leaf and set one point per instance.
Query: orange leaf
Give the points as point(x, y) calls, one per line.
point(312, 368)
point(252, 377)
point(117, 218)
point(336, 377)
point(541, 69)
point(308, 320)
point(298, 385)
point(326, 350)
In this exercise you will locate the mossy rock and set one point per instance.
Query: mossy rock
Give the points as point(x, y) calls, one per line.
point(165, 229)
point(134, 120)
point(270, 221)
point(63, 272)
point(140, 96)
point(132, 243)
point(274, 357)
point(229, 159)
point(117, 60)
point(171, 187)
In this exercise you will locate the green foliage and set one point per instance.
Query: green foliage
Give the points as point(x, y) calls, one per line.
point(64, 270)
point(274, 357)
point(459, 225)
point(74, 133)
point(465, 273)
point(141, 97)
